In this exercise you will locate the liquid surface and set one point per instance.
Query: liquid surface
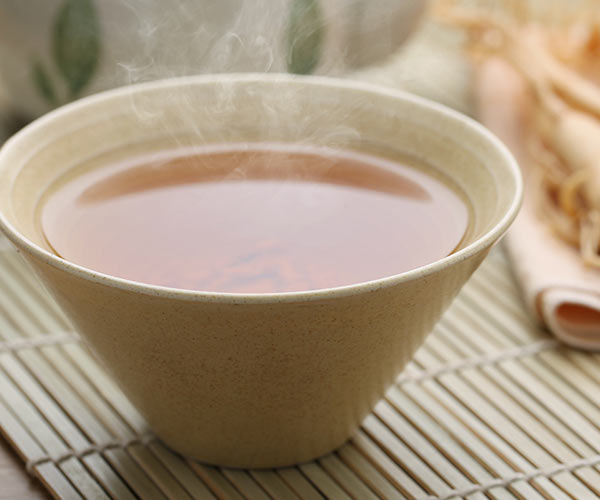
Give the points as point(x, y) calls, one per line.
point(244, 220)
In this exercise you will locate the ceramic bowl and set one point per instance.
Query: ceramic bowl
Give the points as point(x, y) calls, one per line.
point(258, 380)
point(52, 51)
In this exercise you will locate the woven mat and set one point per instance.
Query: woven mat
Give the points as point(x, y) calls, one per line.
point(490, 407)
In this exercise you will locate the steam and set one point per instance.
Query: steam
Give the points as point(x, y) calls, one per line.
point(152, 40)
point(182, 37)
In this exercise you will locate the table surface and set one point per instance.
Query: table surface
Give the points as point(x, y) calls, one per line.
point(14, 481)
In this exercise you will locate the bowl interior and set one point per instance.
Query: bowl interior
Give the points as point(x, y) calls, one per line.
point(197, 111)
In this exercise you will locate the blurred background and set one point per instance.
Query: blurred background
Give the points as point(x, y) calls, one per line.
point(54, 51)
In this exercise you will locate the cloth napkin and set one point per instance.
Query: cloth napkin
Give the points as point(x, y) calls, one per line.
point(560, 290)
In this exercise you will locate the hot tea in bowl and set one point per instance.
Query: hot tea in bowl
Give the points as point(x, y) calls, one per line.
point(254, 258)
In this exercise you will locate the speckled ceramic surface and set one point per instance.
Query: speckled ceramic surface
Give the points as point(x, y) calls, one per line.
point(255, 380)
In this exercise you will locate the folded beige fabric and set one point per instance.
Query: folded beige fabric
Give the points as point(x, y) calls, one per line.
point(562, 292)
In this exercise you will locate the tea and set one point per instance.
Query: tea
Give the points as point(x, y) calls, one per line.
point(254, 218)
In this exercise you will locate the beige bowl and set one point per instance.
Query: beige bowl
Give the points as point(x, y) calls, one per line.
point(268, 379)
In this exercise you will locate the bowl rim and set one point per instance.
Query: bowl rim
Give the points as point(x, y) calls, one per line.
point(473, 127)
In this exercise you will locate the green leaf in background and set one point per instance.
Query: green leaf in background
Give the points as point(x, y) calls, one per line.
point(42, 83)
point(76, 43)
point(305, 34)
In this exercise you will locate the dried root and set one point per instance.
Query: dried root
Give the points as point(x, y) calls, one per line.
point(590, 239)
point(559, 61)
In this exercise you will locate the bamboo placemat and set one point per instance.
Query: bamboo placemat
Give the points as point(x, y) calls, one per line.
point(490, 407)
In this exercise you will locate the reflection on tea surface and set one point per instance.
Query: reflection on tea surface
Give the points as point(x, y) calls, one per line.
point(254, 219)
